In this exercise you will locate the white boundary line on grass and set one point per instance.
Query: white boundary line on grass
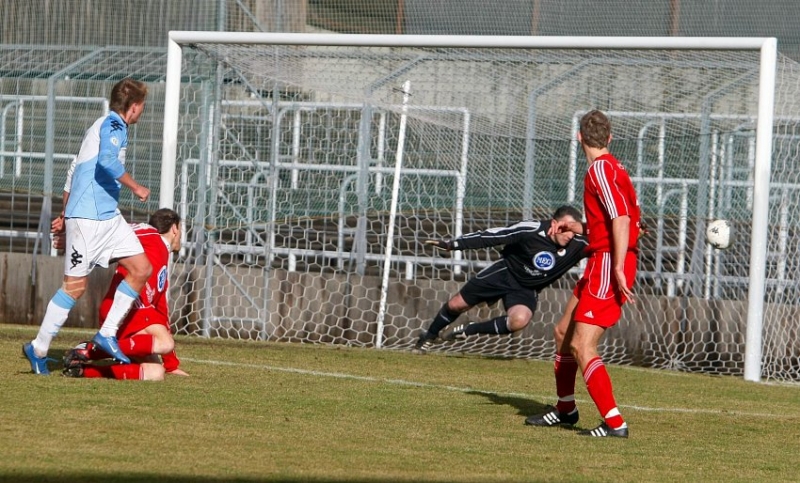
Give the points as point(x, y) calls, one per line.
point(402, 382)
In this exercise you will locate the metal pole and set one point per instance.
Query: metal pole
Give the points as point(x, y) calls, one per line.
point(172, 93)
point(474, 41)
point(461, 190)
point(703, 173)
point(49, 150)
point(50, 121)
point(702, 201)
point(530, 135)
point(362, 181)
point(387, 261)
point(758, 235)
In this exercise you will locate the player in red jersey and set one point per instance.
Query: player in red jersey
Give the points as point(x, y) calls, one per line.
point(613, 227)
point(145, 333)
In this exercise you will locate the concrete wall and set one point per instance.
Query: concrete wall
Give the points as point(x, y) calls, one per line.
point(28, 283)
point(342, 308)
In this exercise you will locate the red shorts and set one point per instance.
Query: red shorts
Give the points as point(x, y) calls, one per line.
point(599, 299)
point(138, 321)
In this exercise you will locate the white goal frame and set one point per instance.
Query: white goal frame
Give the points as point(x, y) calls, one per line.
point(763, 155)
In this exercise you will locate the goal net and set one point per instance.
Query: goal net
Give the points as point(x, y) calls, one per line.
point(285, 147)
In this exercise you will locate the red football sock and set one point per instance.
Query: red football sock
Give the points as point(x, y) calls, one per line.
point(96, 371)
point(137, 345)
point(565, 368)
point(599, 386)
point(116, 371)
point(95, 354)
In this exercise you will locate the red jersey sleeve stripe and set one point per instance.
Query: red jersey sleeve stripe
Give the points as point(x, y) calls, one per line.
point(601, 182)
point(613, 198)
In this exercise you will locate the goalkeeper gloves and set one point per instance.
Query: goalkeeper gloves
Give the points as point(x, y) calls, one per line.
point(441, 244)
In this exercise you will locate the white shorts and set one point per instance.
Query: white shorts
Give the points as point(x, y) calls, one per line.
point(91, 243)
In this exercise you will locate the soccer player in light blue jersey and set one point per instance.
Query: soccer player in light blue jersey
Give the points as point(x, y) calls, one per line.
point(96, 233)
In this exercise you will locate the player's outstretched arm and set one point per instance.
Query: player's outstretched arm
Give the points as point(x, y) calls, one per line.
point(446, 245)
point(490, 237)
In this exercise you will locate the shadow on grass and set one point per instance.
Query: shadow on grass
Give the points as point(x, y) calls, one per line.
point(525, 407)
point(160, 478)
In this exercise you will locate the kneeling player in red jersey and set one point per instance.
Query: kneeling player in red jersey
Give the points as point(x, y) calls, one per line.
point(145, 333)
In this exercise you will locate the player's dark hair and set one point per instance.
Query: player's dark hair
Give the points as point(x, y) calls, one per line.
point(164, 219)
point(595, 129)
point(126, 92)
point(567, 210)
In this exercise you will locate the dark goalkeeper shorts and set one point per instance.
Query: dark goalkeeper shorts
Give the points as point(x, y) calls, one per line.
point(495, 283)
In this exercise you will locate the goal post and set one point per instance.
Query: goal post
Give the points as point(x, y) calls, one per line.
point(490, 129)
point(758, 235)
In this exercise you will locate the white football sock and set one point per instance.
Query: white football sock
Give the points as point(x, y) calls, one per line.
point(54, 318)
point(124, 298)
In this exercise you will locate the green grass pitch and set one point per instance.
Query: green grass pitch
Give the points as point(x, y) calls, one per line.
point(254, 411)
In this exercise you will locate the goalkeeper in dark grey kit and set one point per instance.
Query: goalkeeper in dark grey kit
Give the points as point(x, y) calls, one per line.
point(531, 260)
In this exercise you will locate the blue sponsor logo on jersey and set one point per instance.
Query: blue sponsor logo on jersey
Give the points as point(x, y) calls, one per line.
point(162, 279)
point(544, 261)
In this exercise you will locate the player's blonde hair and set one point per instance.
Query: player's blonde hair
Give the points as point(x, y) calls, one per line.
point(125, 93)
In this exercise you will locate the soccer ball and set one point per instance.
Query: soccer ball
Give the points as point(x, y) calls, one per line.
point(719, 233)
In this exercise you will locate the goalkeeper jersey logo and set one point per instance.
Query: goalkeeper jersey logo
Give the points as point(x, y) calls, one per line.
point(544, 261)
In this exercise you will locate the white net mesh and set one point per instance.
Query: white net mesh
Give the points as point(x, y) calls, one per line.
point(286, 159)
